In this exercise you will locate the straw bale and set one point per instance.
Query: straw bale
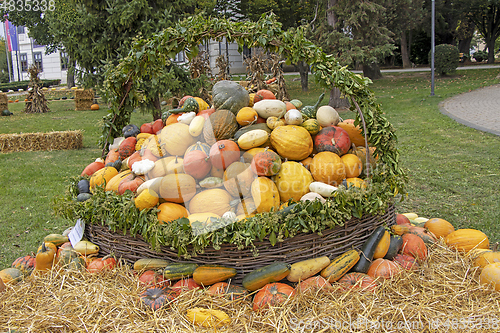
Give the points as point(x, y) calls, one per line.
point(41, 141)
point(443, 295)
point(84, 98)
point(4, 102)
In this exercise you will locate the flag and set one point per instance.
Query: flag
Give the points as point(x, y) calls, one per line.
point(11, 36)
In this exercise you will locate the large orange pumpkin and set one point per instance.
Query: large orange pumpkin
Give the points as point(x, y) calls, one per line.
point(327, 167)
point(170, 211)
point(354, 133)
point(197, 164)
point(490, 275)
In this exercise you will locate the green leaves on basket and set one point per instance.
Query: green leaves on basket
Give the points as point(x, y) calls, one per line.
point(119, 214)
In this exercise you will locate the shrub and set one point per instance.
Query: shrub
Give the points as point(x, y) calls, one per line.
point(446, 59)
point(480, 56)
point(16, 85)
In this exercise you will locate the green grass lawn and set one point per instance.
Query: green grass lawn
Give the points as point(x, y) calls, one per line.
point(452, 169)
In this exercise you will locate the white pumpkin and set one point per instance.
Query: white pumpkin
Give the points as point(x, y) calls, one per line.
point(327, 116)
point(293, 117)
point(323, 189)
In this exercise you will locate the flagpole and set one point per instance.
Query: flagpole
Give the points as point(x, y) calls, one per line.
point(7, 52)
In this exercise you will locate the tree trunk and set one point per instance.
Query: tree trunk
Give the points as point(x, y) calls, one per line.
point(157, 110)
point(404, 51)
point(331, 18)
point(490, 44)
point(303, 68)
point(372, 71)
point(336, 101)
point(70, 75)
point(464, 46)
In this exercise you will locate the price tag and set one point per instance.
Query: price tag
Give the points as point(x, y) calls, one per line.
point(76, 234)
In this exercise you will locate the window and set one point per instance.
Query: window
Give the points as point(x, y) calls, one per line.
point(23, 59)
point(38, 60)
point(180, 57)
point(247, 53)
point(64, 61)
point(20, 29)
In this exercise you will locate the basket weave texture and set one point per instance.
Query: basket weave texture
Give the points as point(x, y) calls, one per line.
point(331, 243)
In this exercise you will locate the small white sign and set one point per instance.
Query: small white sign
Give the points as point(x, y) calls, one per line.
point(76, 234)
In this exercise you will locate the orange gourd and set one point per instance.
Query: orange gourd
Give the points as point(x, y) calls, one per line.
point(170, 211)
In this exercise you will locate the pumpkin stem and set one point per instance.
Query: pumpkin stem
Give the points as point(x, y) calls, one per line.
point(221, 146)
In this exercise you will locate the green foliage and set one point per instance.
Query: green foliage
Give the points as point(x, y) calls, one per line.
point(24, 84)
point(446, 59)
point(480, 55)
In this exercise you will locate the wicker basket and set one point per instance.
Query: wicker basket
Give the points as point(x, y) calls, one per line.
point(331, 243)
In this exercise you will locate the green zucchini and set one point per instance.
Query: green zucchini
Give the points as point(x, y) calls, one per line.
point(394, 247)
point(177, 271)
point(367, 251)
point(271, 273)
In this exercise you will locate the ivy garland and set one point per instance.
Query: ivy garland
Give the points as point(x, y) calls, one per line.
point(147, 58)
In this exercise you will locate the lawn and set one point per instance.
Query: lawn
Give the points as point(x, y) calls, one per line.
point(452, 169)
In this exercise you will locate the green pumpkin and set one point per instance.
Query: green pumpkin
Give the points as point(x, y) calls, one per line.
point(229, 95)
point(190, 105)
point(312, 126)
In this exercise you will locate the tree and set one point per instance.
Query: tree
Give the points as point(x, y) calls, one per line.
point(403, 16)
point(485, 14)
point(4, 66)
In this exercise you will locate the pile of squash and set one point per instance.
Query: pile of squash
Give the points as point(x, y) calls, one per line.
point(386, 253)
point(244, 155)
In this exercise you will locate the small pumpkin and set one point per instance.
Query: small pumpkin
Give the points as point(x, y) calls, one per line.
point(92, 168)
point(314, 284)
point(358, 281)
point(266, 163)
point(25, 264)
point(333, 139)
point(490, 275)
point(414, 246)
point(94, 107)
point(146, 200)
point(130, 183)
point(383, 268)
point(185, 285)
point(263, 94)
point(157, 297)
point(101, 264)
point(151, 278)
point(216, 201)
point(246, 116)
point(328, 168)
point(353, 165)
point(130, 130)
point(197, 164)
point(45, 257)
point(223, 153)
point(272, 294)
point(230, 291)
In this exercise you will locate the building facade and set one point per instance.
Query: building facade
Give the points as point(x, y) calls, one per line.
point(26, 52)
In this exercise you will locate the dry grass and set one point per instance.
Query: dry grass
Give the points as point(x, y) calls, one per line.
point(41, 141)
point(442, 295)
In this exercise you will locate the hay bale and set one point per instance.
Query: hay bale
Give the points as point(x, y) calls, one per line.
point(84, 98)
point(41, 141)
point(4, 102)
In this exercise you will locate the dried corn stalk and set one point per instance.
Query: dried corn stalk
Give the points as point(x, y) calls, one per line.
point(37, 103)
point(223, 64)
point(277, 70)
point(256, 67)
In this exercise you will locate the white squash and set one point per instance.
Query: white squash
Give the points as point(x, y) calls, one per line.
point(311, 196)
point(270, 107)
point(293, 117)
point(196, 125)
point(322, 189)
point(147, 184)
point(252, 139)
point(186, 118)
point(327, 116)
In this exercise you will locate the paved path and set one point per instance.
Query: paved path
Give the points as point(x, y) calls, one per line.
point(479, 109)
